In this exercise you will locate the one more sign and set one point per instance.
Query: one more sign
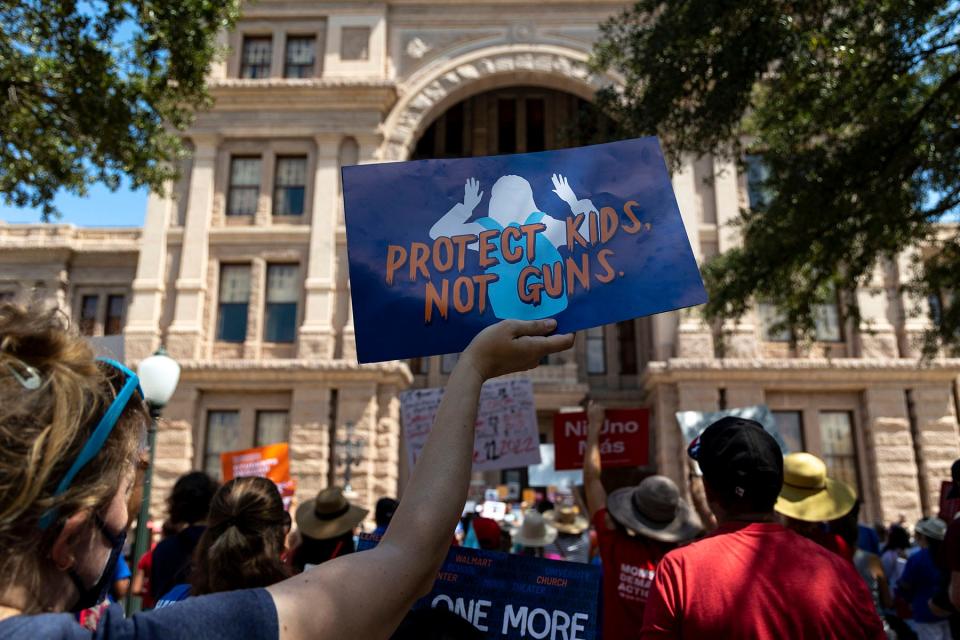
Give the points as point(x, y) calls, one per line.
point(624, 438)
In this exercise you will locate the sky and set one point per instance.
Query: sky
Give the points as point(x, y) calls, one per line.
point(100, 208)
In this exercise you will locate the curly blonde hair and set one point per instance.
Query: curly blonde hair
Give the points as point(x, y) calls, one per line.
point(42, 431)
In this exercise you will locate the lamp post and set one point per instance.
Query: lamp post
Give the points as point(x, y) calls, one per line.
point(352, 447)
point(159, 375)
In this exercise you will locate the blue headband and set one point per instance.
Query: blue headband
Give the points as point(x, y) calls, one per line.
point(99, 435)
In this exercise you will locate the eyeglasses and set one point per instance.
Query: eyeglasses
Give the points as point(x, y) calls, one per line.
point(99, 435)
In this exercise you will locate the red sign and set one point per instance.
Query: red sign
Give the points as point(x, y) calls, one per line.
point(949, 507)
point(624, 439)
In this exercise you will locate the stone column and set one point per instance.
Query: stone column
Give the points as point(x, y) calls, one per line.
point(142, 333)
point(358, 405)
point(316, 334)
point(386, 452)
point(310, 438)
point(694, 338)
point(938, 445)
point(890, 452)
point(368, 149)
point(174, 454)
point(186, 331)
point(876, 337)
point(253, 344)
point(915, 310)
point(740, 336)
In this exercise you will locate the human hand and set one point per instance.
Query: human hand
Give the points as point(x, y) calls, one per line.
point(562, 188)
point(472, 194)
point(596, 414)
point(513, 345)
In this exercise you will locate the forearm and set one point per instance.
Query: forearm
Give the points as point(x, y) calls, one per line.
point(434, 498)
point(592, 486)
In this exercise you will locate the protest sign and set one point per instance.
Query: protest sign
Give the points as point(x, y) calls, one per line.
point(692, 423)
point(507, 436)
point(624, 439)
point(545, 474)
point(269, 461)
point(440, 249)
point(511, 596)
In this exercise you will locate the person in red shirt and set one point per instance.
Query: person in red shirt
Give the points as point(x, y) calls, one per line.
point(635, 526)
point(752, 577)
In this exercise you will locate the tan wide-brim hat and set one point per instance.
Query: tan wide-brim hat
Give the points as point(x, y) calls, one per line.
point(654, 509)
point(808, 494)
point(534, 532)
point(329, 515)
point(567, 520)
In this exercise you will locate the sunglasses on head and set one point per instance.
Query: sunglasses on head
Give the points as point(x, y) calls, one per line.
point(100, 433)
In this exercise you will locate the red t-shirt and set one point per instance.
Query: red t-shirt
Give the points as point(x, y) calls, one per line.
point(951, 545)
point(629, 565)
point(146, 562)
point(762, 581)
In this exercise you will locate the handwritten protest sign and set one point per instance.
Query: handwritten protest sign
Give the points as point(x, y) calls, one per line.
point(511, 596)
point(439, 249)
point(624, 439)
point(270, 461)
point(506, 437)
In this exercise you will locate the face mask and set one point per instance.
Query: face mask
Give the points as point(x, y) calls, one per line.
point(94, 595)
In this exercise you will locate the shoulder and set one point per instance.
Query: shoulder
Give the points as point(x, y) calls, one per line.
point(47, 625)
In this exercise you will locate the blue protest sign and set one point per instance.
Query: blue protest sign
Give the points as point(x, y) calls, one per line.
point(511, 596)
point(439, 249)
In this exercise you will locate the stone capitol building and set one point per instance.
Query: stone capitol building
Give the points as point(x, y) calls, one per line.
point(241, 272)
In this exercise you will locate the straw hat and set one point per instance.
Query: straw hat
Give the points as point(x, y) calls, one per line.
point(808, 494)
point(654, 509)
point(934, 528)
point(328, 515)
point(567, 520)
point(534, 532)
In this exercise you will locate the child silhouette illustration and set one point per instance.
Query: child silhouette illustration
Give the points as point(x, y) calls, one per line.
point(512, 205)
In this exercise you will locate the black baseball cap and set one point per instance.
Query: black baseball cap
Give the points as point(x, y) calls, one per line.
point(740, 461)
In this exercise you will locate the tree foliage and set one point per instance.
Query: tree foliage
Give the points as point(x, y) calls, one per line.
point(92, 91)
point(854, 106)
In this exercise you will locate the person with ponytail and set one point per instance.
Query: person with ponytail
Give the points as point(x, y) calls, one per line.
point(71, 428)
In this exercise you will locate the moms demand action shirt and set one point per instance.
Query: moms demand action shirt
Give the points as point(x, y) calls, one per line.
point(629, 565)
point(758, 580)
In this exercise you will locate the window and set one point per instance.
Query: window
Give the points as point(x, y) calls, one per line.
point(839, 450)
point(272, 427)
point(7, 296)
point(419, 366)
point(448, 361)
point(114, 321)
point(827, 323)
point(506, 126)
point(234, 302)
point(300, 57)
point(826, 319)
point(596, 355)
point(758, 194)
point(290, 185)
point(223, 434)
point(790, 426)
point(627, 343)
point(255, 58)
point(355, 43)
point(88, 314)
point(283, 291)
point(770, 317)
point(244, 186)
point(536, 124)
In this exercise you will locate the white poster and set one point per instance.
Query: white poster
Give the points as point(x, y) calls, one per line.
point(507, 434)
point(692, 423)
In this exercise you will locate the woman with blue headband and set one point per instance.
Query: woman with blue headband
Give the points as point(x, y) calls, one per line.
point(71, 428)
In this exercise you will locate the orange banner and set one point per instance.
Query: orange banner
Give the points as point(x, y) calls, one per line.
point(269, 461)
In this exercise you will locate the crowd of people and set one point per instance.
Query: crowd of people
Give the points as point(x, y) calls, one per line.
point(769, 547)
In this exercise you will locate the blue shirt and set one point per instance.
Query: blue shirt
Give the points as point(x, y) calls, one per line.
point(248, 613)
point(868, 539)
point(918, 583)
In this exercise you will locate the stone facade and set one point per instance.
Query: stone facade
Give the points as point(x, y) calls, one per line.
point(380, 76)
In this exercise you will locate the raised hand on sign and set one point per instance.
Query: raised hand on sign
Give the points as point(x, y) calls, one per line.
point(514, 345)
point(472, 194)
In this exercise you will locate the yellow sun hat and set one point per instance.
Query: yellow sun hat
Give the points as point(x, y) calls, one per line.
point(808, 494)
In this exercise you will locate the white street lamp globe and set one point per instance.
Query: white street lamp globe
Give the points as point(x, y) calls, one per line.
point(159, 375)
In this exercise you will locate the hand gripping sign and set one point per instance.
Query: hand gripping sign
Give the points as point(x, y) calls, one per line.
point(439, 249)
